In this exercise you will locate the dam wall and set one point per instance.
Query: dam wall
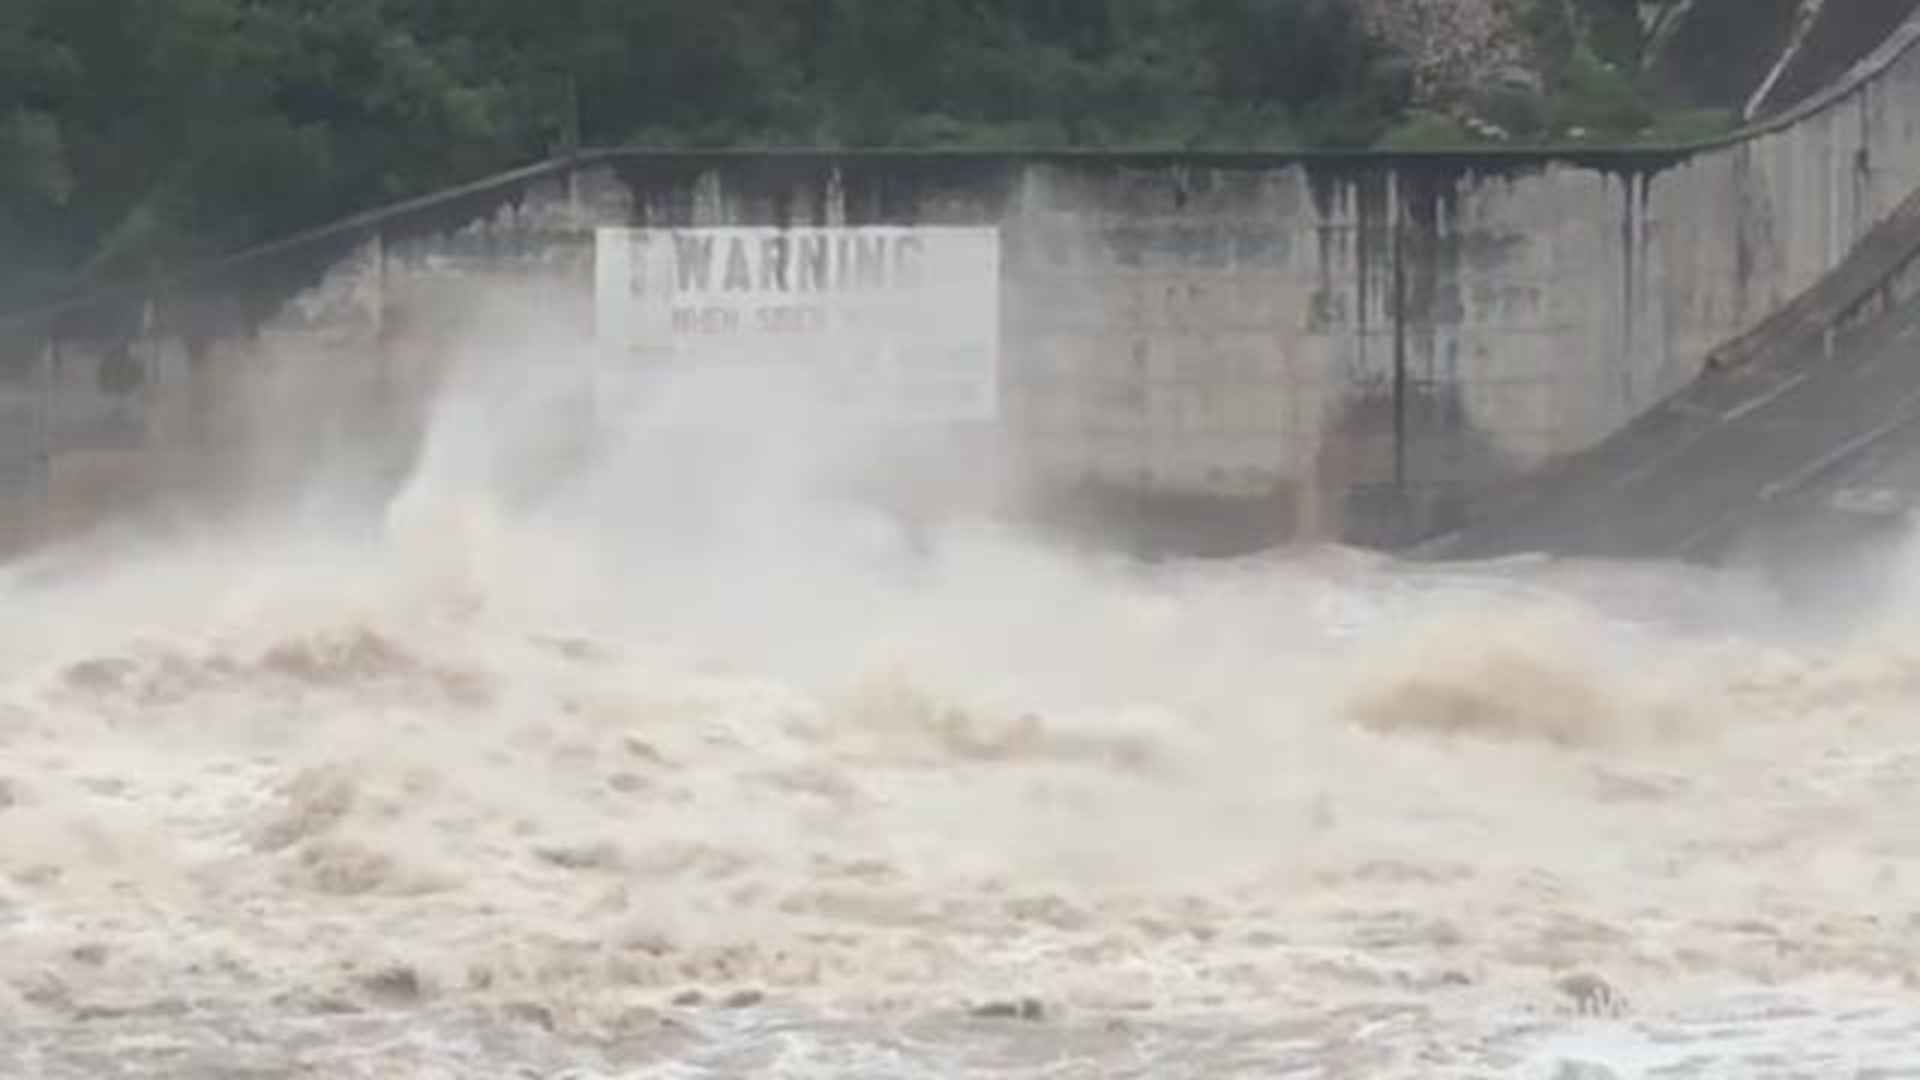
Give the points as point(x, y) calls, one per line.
point(1231, 349)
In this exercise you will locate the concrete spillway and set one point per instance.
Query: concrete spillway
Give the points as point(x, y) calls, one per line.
point(1824, 439)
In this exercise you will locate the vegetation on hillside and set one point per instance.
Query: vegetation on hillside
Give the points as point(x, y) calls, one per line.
point(135, 134)
point(1584, 82)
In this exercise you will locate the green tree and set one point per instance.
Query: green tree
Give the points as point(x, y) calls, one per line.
point(137, 134)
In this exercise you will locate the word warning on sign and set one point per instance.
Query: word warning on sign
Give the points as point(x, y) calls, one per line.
point(895, 323)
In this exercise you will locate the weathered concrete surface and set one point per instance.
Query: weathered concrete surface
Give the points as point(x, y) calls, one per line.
point(1754, 448)
point(1224, 349)
point(1751, 458)
point(1803, 470)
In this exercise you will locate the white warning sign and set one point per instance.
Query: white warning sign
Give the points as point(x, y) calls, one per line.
point(896, 324)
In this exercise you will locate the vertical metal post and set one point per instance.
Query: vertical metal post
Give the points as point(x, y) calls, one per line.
point(43, 436)
point(1398, 262)
point(570, 122)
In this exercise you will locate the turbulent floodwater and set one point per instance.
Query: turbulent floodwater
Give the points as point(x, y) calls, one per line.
point(649, 786)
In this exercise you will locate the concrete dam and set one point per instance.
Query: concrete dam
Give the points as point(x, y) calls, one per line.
point(658, 615)
point(1199, 352)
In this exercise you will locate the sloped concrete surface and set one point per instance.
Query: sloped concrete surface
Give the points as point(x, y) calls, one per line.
point(1762, 460)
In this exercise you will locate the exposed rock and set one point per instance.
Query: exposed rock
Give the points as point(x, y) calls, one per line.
point(1460, 50)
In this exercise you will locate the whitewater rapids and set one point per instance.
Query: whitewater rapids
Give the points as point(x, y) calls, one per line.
point(763, 787)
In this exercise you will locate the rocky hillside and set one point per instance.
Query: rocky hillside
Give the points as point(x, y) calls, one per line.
point(1523, 69)
point(1459, 49)
point(1556, 69)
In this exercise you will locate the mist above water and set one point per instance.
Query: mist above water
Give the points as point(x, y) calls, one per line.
point(581, 720)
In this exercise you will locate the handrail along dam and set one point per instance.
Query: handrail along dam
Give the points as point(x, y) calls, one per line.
point(1212, 352)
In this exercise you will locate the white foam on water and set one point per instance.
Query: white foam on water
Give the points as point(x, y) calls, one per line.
point(549, 769)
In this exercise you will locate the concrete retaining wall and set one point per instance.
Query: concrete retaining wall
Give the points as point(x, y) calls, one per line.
point(1250, 345)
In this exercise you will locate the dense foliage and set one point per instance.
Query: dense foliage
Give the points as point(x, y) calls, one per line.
point(136, 133)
